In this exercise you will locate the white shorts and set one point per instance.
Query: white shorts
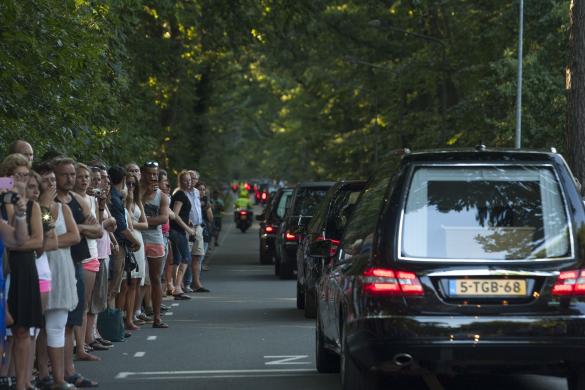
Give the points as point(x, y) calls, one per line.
point(198, 248)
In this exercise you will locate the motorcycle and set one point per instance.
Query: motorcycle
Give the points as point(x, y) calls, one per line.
point(243, 219)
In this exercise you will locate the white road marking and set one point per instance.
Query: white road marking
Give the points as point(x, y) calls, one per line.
point(139, 354)
point(174, 304)
point(169, 313)
point(151, 338)
point(286, 360)
point(219, 373)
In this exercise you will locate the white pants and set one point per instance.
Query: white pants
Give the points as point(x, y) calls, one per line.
point(55, 321)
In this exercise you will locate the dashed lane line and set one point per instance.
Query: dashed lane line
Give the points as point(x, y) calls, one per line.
point(139, 354)
point(151, 338)
point(169, 313)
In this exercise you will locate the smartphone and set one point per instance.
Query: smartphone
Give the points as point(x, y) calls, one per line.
point(6, 183)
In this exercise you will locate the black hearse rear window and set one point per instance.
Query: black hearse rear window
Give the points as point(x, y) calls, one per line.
point(308, 199)
point(492, 213)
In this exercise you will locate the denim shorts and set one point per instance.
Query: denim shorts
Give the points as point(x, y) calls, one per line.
point(181, 253)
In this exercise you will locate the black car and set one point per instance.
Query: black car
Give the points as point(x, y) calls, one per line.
point(303, 203)
point(270, 221)
point(327, 223)
point(452, 262)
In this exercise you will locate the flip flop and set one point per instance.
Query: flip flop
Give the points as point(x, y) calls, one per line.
point(160, 325)
point(182, 297)
point(78, 380)
point(89, 358)
point(201, 290)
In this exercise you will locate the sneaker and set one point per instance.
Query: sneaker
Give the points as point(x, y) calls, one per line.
point(188, 289)
point(164, 307)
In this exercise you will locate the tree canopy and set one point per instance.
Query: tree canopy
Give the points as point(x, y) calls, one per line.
point(303, 89)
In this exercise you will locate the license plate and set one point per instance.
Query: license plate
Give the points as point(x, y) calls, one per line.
point(487, 287)
point(243, 217)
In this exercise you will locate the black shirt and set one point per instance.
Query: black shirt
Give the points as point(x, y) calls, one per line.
point(118, 212)
point(185, 209)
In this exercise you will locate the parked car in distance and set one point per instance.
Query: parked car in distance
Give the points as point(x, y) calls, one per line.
point(303, 202)
point(270, 221)
point(328, 223)
point(466, 261)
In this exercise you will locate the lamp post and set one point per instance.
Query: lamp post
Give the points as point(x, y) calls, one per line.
point(518, 132)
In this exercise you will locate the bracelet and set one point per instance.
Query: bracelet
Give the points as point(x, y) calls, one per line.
point(20, 217)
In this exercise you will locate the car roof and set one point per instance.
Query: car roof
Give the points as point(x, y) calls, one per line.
point(316, 184)
point(482, 155)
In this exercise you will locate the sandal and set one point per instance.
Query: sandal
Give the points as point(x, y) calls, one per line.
point(88, 358)
point(182, 297)
point(45, 383)
point(97, 346)
point(202, 290)
point(79, 381)
point(105, 342)
point(159, 324)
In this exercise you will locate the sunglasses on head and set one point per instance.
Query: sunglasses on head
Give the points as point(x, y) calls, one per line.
point(151, 164)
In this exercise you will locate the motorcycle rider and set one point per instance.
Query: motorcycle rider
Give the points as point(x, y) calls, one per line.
point(242, 203)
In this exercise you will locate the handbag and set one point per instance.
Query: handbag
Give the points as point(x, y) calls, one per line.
point(130, 263)
point(110, 324)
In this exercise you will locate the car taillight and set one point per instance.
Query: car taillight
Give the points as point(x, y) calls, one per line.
point(243, 212)
point(382, 281)
point(288, 236)
point(570, 283)
point(264, 196)
point(268, 229)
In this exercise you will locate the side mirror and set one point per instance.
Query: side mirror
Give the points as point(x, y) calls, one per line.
point(320, 249)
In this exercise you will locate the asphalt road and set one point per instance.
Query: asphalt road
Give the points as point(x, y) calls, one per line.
point(245, 334)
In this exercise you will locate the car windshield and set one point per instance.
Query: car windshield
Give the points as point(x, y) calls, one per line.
point(307, 200)
point(492, 213)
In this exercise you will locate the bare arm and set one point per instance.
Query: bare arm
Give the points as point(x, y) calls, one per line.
point(50, 242)
point(18, 234)
point(90, 228)
point(35, 240)
point(176, 209)
point(142, 223)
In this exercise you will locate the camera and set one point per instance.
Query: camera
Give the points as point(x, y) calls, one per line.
point(9, 197)
point(97, 192)
point(47, 219)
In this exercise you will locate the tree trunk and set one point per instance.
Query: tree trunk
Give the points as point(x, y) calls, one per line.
point(575, 84)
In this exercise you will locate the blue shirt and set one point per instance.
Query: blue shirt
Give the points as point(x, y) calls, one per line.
point(195, 216)
point(118, 212)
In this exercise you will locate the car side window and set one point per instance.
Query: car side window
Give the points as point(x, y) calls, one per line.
point(280, 210)
point(359, 233)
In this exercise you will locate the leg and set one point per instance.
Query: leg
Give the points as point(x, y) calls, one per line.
point(180, 273)
point(22, 350)
point(42, 353)
point(154, 265)
point(196, 269)
point(68, 352)
point(55, 342)
point(130, 297)
point(117, 264)
point(89, 283)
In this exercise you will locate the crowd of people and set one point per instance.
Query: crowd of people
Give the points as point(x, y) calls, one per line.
point(79, 239)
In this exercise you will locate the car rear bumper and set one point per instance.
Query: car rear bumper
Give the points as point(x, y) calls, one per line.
point(267, 242)
point(456, 345)
point(290, 254)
